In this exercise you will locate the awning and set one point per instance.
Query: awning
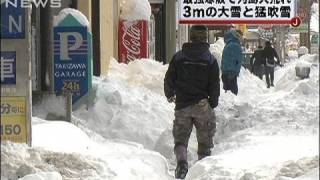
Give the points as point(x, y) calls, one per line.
point(156, 1)
point(251, 35)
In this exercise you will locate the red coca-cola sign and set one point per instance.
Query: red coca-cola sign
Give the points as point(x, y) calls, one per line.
point(133, 37)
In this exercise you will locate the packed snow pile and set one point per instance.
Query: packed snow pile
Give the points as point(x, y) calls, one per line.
point(302, 168)
point(62, 150)
point(132, 10)
point(288, 81)
point(49, 106)
point(292, 54)
point(60, 141)
point(217, 48)
point(18, 160)
point(43, 176)
point(303, 50)
point(145, 73)
point(292, 41)
point(129, 104)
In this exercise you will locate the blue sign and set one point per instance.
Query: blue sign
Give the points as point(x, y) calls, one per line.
point(71, 61)
point(12, 21)
point(8, 68)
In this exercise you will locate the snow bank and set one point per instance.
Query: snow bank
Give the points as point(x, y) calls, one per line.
point(211, 168)
point(216, 49)
point(65, 12)
point(129, 104)
point(311, 58)
point(60, 136)
point(292, 54)
point(312, 175)
point(146, 73)
point(62, 149)
point(43, 176)
point(303, 50)
point(18, 160)
point(305, 168)
point(286, 80)
point(50, 105)
point(132, 10)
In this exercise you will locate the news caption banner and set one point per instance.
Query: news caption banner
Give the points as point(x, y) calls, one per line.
point(15, 58)
point(238, 12)
point(73, 59)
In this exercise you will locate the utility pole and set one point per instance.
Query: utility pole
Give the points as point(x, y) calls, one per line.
point(304, 12)
point(302, 35)
point(170, 33)
point(309, 21)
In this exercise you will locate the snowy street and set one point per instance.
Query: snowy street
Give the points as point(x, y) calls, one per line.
point(126, 133)
point(86, 86)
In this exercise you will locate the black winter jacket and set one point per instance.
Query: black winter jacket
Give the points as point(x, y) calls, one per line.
point(257, 57)
point(193, 74)
point(269, 53)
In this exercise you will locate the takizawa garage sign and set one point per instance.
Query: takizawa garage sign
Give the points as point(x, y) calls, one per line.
point(236, 11)
point(71, 61)
point(72, 57)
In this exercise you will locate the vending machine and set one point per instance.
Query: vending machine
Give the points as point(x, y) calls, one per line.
point(133, 40)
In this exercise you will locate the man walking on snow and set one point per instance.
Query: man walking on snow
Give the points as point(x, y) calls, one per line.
point(257, 63)
point(192, 82)
point(269, 54)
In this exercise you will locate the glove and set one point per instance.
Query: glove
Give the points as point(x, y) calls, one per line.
point(172, 99)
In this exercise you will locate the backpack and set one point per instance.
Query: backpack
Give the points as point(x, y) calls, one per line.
point(270, 62)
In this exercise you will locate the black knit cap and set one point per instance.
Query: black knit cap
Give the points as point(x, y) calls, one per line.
point(199, 33)
point(267, 44)
point(199, 28)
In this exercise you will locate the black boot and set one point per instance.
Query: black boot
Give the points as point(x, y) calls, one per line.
point(203, 151)
point(201, 156)
point(180, 151)
point(181, 170)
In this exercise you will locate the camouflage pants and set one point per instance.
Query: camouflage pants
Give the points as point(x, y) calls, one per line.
point(203, 117)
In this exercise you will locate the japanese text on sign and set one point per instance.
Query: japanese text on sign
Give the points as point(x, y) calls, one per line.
point(13, 119)
point(236, 10)
point(8, 68)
